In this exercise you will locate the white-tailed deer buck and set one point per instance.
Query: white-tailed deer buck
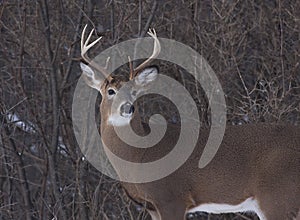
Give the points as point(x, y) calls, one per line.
point(256, 169)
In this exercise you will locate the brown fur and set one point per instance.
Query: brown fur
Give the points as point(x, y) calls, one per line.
point(261, 161)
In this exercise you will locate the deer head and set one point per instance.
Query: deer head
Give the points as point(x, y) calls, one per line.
point(139, 79)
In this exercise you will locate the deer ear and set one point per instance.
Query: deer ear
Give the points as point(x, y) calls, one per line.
point(147, 75)
point(90, 78)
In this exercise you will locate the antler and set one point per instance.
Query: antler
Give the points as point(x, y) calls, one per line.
point(156, 51)
point(84, 49)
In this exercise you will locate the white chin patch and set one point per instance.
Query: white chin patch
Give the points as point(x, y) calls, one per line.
point(124, 115)
point(118, 120)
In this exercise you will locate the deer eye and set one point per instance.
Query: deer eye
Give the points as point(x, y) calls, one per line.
point(111, 92)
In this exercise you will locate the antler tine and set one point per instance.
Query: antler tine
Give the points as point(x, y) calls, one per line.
point(156, 51)
point(131, 75)
point(85, 46)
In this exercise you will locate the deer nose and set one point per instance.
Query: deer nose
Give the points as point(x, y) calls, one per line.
point(127, 109)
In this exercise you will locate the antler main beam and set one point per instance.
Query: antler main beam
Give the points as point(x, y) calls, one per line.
point(85, 46)
point(156, 51)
